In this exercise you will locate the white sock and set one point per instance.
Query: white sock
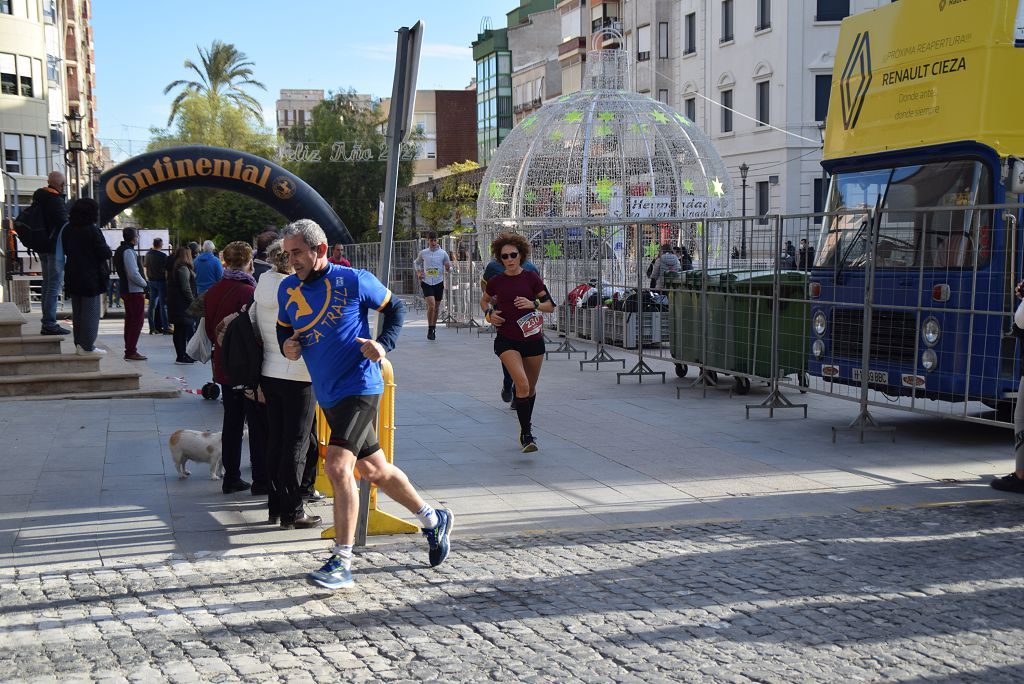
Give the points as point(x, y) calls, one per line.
point(345, 551)
point(427, 517)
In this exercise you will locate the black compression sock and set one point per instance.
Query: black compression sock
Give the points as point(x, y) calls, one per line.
point(524, 409)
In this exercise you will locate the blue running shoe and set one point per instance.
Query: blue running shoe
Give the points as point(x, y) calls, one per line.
point(438, 537)
point(333, 575)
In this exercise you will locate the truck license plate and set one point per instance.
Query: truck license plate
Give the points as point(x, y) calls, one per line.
point(874, 376)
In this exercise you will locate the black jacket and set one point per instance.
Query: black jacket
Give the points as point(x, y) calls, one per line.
point(181, 291)
point(55, 214)
point(86, 269)
point(156, 265)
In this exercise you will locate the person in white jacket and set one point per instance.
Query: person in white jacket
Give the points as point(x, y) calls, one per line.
point(290, 403)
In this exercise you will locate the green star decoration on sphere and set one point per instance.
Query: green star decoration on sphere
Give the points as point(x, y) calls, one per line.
point(659, 117)
point(557, 187)
point(602, 130)
point(495, 191)
point(638, 128)
point(604, 189)
point(573, 117)
point(688, 186)
point(716, 187)
point(530, 196)
point(528, 122)
point(557, 135)
point(651, 250)
point(553, 250)
point(682, 119)
point(606, 117)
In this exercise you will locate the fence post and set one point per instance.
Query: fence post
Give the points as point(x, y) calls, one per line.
point(566, 346)
point(865, 422)
point(776, 399)
point(600, 355)
point(641, 368)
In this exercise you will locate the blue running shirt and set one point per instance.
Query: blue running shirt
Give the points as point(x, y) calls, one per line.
point(329, 314)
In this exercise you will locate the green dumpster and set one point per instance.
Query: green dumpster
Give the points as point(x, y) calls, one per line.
point(749, 346)
point(686, 316)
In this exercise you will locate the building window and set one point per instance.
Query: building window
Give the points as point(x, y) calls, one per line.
point(726, 111)
point(53, 69)
point(763, 89)
point(690, 108)
point(726, 21)
point(643, 43)
point(41, 157)
point(12, 153)
point(832, 10)
point(663, 95)
point(764, 15)
point(818, 201)
point(5, 7)
point(8, 75)
point(822, 91)
point(49, 11)
point(25, 75)
point(761, 195)
point(691, 34)
point(662, 40)
point(28, 155)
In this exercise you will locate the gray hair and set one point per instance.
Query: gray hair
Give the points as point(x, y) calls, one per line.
point(208, 246)
point(310, 232)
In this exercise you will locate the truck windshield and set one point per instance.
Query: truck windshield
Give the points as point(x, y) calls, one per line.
point(946, 238)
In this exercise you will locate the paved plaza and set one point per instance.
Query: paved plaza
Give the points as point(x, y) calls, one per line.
point(650, 539)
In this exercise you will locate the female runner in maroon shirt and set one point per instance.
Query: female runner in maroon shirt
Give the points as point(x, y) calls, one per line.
point(512, 302)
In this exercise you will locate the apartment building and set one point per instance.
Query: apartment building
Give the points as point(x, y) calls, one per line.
point(47, 94)
point(295, 107)
point(444, 127)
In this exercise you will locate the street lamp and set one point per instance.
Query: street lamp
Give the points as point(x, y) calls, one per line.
point(74, 120)
point(744, 170)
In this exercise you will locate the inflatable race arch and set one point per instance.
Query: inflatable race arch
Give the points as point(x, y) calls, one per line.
point(197, 166)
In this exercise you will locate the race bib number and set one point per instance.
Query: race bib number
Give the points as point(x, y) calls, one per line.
point(531, 323)
point(433, 272)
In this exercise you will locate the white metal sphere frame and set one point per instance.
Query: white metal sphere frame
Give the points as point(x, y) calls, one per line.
point(603, 156)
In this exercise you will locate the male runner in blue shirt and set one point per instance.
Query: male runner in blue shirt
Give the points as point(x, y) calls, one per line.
point(322, 318)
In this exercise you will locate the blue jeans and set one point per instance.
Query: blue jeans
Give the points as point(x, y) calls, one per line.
point(53, 281)
point(157, 314)
point(113, 292)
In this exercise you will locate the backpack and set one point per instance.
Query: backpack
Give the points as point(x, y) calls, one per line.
point(241, 352)
point(30, 225)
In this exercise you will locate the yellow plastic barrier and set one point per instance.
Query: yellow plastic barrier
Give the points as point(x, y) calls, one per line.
point(378, 522)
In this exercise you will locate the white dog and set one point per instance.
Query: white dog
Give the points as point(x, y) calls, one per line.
point(201, 447)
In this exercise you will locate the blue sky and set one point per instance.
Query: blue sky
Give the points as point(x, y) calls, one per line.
point(329, 44)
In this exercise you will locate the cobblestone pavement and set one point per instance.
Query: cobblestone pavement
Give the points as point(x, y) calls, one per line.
point(926, 595)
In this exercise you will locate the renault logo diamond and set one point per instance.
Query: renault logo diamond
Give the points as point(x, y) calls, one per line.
point(856, 79)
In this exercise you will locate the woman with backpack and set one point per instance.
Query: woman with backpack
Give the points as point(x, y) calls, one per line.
point(228, 296)
point(181, 292)
point(290, 402)
point(86, 273)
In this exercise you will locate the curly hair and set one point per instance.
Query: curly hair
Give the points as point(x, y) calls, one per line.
point(237, 254)
point(278, 258)
point(514, 239)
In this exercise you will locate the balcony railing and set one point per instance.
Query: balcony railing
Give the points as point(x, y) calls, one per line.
point(606, 22)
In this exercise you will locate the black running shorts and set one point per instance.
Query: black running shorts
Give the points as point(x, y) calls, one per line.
point(435, 291)
point(351, 422)
point(531, 347)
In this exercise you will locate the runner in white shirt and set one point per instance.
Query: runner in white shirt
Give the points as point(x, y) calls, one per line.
point(431, 265)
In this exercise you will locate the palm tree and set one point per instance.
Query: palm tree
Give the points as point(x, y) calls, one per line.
point(224, 75)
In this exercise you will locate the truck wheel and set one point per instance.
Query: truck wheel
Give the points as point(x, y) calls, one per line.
point(804, 380)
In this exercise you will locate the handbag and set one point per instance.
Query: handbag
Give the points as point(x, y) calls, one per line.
point(197, 309)
point(199, 346)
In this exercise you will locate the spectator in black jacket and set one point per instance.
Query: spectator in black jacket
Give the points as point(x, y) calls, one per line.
point(156, 273)
point(87, 272)
point(52, 201)
point(806, 260)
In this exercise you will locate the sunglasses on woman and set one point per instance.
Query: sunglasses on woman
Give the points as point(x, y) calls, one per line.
point(509, 255)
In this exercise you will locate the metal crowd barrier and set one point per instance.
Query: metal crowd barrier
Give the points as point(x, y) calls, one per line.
point(749, 307)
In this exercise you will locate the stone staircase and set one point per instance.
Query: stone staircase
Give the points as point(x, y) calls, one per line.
point(33, 367)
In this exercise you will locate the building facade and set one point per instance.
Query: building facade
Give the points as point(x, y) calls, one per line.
point(295, 107)
point(536, 76)
point(47, 73)
point(444, 129)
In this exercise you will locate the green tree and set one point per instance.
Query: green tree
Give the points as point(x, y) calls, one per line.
point(341, 154)
point(454, 201)
point(225, 74)
point(212, 112)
